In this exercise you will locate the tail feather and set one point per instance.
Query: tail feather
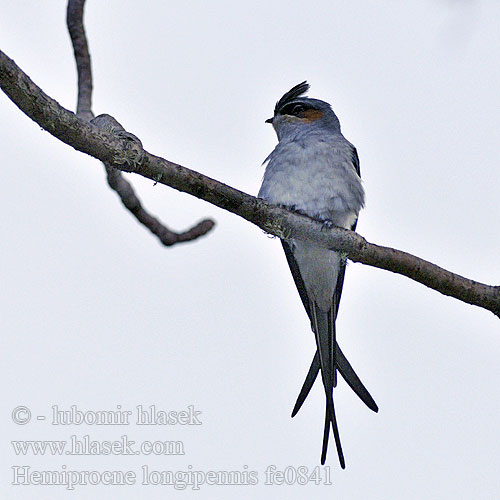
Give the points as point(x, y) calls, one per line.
point(325, 342)
point(330, 417)
point(326, 435)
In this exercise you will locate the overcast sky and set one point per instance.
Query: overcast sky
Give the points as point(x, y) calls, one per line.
point(96, 313)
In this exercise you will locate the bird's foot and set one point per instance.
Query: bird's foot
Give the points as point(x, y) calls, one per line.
point(326, 225)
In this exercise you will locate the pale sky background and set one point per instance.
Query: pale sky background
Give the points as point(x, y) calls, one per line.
point(96, 313)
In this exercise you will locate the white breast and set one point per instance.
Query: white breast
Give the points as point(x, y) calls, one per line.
point(315, 177)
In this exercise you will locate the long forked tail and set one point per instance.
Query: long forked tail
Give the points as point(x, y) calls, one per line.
point(324, 330)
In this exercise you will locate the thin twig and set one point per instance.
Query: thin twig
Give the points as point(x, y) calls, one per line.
point(74, 20)
point(115, 149)
point(117, 182)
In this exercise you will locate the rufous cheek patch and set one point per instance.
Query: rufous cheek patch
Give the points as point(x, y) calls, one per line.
point(311, 115)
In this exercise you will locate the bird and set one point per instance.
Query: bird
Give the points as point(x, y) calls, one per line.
point(314, 171)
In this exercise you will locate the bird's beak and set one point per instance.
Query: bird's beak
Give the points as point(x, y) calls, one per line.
point(269, 120)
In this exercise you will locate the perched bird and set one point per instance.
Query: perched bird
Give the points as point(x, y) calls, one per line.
point(314, 170)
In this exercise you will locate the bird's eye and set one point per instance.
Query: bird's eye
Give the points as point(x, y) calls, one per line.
point(297, 109)
point(293, 109)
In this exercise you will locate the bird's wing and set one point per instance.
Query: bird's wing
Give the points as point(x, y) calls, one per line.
point(355, 160)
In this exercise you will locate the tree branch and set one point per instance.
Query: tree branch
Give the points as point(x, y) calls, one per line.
point(121, 153)
point(74, 20)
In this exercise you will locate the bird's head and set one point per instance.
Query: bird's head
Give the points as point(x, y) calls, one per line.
point(294, 113)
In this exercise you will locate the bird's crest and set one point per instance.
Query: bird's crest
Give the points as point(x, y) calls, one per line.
point(292, 94)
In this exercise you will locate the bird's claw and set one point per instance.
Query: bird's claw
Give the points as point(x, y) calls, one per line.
point(326, 225)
